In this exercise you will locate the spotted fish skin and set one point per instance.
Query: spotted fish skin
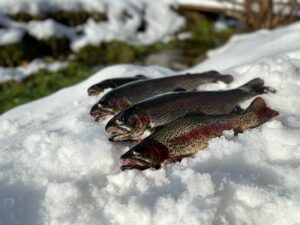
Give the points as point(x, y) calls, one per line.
point(163, 109)
point(128, 94)
point(191, 133)
point(143, 89)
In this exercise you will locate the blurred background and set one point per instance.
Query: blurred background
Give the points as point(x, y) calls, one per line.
point(46, 45)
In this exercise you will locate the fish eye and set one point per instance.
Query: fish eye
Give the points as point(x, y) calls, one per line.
point(119, 122)
point(148, 155)
point(122, 119)
point(102, 103)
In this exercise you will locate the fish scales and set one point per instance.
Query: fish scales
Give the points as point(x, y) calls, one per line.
point(137, 91)
point(188, 136)
point(191, 133)
point(160, 110)
point(128, 94)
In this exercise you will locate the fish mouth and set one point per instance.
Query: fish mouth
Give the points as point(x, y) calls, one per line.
point(93, 91)
point(100, 113)
point(134, 163)
point(120, 133)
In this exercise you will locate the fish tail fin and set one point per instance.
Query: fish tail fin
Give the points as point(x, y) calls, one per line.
point(256, 87)
point(261, 110)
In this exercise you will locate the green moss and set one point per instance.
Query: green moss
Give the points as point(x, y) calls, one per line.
point(11, 55)
point(108, 53)
point(30, 48)
point(203, 37)
point(40, 84)
point(76, 18)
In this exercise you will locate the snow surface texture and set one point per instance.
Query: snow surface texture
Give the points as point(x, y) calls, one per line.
point(57, 166)
point(21, 72)
point(93, 33)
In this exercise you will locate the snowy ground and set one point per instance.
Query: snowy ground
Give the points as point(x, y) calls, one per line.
point(117, 27)
point(57, 166)
point(21, 72)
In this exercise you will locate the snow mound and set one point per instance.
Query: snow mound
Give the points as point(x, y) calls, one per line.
point(57, 166)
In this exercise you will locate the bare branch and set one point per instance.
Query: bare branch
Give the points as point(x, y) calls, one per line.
point(257, 14)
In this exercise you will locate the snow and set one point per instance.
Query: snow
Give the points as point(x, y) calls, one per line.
point(205, 3)
point(117, 27)
point(21, 72)
point(91, 33)
point(10, 36)
point(57, 166)
point(38, 7)
point(250, 47)
point(49, 28)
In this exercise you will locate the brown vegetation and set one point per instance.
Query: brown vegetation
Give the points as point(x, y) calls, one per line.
point(257, 14)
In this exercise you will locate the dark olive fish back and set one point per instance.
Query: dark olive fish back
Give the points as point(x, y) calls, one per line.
point(165, 108)
point(143, 89)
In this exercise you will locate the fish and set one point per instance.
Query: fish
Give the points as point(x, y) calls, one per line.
point(131, 123)
point(98, 88)
point(189, 134)
point(128, 94)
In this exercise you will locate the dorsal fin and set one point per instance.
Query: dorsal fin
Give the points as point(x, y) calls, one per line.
point(140, 76)
point(179, 89)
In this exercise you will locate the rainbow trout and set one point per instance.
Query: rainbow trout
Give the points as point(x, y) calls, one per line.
point(131, 123)
point(123, 96)
point(96, 89)
point(189, 134)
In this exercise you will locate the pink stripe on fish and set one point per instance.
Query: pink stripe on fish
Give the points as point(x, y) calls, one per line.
point(202, 132)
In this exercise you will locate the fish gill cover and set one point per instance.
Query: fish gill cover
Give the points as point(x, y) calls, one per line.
point(57, 166)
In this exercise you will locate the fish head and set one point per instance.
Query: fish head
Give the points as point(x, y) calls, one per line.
point(108, 106)
point(101, 110)
point(147, 154)
point(94, 90)
point(129, 124)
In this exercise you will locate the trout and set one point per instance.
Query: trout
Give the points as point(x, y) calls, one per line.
point(128, 94)
point(131, 123)
point(96, 89)
point(187, 135)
